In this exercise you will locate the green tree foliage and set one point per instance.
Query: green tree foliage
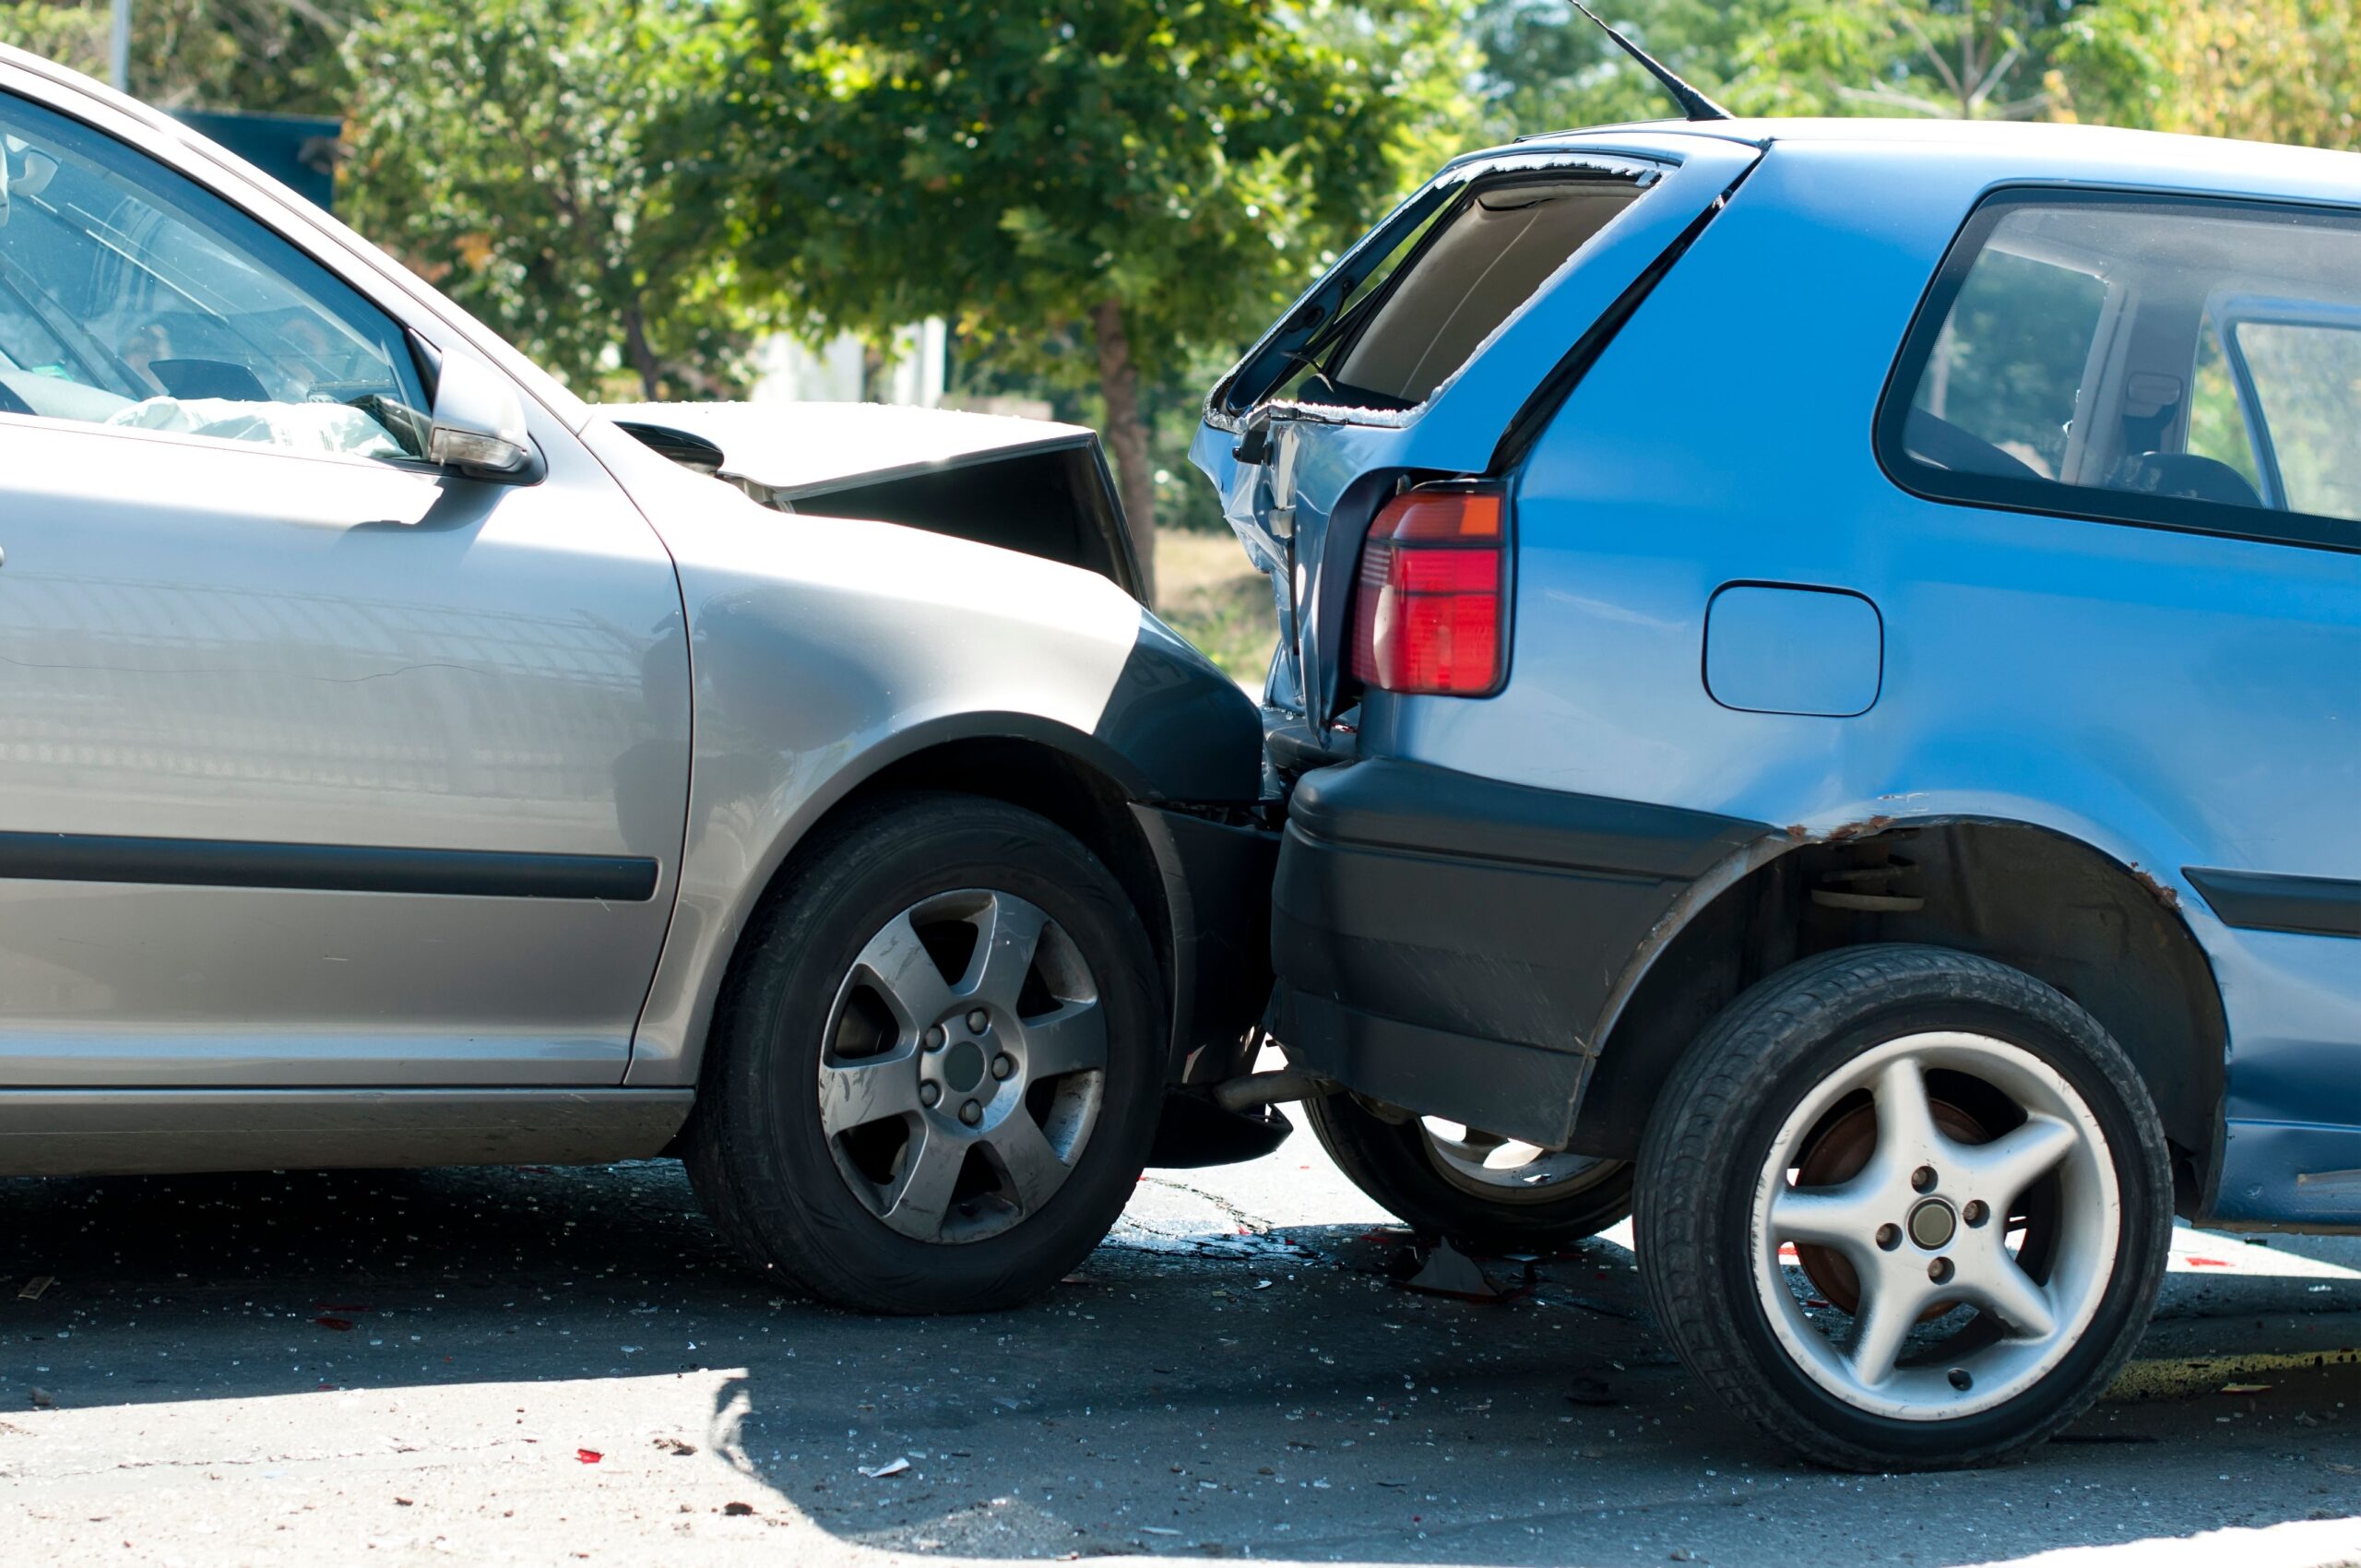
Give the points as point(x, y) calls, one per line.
point(1547, 67)
point(1953, 59)
point(2265, 70)
point(1107, 200)
point(1134, 176)
point(264, 56)
point(513, 152)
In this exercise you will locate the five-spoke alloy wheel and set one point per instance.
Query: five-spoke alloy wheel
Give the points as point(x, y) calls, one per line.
point(938, 1062)
point(1931, 1227)
point(1905, 1207)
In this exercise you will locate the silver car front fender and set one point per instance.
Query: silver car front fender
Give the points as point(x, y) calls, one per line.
point(825, 650)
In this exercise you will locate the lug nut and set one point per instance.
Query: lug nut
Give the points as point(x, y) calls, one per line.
point(971, 1113)
point(934, 1037)
point(1923, 1178)
point(930, 1095)
point(1002, 1065)
point(979, 1021)
point(1940, 1271)
point(1976, 1212)
point(1889, 1237)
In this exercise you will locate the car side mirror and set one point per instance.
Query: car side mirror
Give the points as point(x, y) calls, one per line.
point(478, 426)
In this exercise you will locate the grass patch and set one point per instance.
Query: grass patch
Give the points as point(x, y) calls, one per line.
point(1207, 592)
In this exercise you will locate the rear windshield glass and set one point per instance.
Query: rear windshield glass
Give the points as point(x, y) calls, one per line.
point(1414, 304)
point(1484, 257)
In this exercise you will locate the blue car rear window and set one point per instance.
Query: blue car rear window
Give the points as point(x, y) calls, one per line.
point(1415, 300)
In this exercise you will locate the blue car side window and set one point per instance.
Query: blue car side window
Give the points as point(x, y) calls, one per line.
point(2304, 378)
point(2169, 362)
point(2009, 365)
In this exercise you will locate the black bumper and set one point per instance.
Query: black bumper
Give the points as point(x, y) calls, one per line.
point(1449, 943)
point(1218, 889)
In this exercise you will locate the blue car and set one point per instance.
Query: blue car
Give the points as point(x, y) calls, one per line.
point(1819, 679)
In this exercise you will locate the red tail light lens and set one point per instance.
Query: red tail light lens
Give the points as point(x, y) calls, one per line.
point(1428, 610)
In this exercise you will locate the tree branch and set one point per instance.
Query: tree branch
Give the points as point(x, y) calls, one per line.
point(2001, 68)
point(1934, 56)
point(1896, 98)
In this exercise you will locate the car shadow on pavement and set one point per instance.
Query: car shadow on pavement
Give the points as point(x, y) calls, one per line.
point(1234, 1389)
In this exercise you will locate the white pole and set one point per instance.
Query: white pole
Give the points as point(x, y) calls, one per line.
point(119, 53)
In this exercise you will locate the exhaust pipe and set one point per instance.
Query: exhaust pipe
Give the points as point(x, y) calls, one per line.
point(1258, 1089)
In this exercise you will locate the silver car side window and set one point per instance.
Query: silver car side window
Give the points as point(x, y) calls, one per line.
point(132, 297)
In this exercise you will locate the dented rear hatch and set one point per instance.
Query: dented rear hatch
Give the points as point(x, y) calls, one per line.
point(1436, 349)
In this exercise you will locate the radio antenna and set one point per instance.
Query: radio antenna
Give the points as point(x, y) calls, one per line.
point(1694, 105)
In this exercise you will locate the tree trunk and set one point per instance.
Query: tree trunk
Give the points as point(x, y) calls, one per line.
point(641, 355)
point(1118, 383)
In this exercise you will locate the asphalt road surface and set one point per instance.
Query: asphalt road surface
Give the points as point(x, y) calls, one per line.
point(541, 1365)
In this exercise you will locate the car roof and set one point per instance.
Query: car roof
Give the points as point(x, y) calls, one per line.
point(2036, 149)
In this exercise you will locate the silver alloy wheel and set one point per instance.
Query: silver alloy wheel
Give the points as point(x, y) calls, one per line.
point(1487, 1165)
point(964, 1066)
point(1925, 1226)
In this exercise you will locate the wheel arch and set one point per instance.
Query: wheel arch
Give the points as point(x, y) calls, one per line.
point(2084, 921)
point(1121, 749)
point(1073, 779)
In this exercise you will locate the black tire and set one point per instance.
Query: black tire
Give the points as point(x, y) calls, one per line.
point(1396, 1167)
point(1713, 1135)
point(757, 1152)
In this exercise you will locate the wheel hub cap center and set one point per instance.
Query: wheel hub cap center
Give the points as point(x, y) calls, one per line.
point(962, 1066)
point(1932, 1224)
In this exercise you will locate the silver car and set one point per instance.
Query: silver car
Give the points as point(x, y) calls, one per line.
point(402, 762)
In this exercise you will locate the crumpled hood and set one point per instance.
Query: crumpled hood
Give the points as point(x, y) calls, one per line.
point(794, 450)
point(1023, 484)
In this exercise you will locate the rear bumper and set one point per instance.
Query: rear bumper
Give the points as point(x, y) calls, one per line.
point(1449, 943)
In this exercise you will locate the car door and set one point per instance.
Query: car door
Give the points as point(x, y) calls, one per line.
point(318, 764)
point(2190, 368)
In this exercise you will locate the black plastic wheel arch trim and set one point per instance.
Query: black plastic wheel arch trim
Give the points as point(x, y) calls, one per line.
point(328, 868)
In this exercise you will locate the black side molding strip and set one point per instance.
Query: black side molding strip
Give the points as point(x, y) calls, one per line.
point(2255, 900)
point(333, 868)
